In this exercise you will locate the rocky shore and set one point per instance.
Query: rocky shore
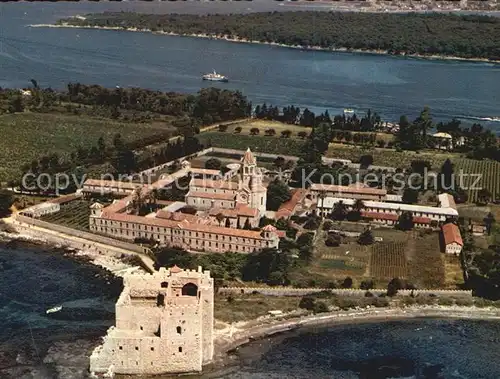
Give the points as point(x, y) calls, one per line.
point(241, 40)
point(13, 235)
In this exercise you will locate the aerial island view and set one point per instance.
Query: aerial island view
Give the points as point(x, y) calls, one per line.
point(250, 189)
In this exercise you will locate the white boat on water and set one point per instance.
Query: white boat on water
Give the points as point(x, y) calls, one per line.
point(214, 77)
point(348, 111)
point(54, 309)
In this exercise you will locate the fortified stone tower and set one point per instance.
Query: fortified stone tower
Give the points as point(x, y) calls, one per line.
point(164, 324)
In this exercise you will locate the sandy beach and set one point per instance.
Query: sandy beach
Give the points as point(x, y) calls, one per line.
point(299, 47)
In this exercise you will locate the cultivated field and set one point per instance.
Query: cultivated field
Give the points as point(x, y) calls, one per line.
point(388, 157)
point(74, 214)
point(28, 136)
point(414, 256)
point(388, 260)
point(426, 267)
point(489, 172)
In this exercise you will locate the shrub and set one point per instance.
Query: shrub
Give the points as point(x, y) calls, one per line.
point(481, 303)
point(332, 241)
point(446, 301)
point(327, 225)
point(408, 300)
point(307, 302)
point(368, 294)
point(381, 302)
point(320, 307)
point(237, 129)
point(367, 284)
point(222, 128)
point(464, 302)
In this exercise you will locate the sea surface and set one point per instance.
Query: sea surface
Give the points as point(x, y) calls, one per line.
point(34, 344)
point(280, 76)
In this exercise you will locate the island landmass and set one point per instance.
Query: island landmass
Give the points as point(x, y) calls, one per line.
point(433, 35)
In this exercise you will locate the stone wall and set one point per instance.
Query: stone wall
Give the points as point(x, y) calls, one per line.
point(289, 291)
point(111, 243)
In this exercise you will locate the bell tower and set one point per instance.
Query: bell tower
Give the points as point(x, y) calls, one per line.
point(252, 182)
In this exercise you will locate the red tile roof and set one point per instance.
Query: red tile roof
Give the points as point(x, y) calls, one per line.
point(451, 234)
point(209, 183)
point(348, 189)
point(249, 158)
point(239, 210)
point(215, 196)
point(186, 225)
point(380, 216)
point(111, 184)
point(286, 209)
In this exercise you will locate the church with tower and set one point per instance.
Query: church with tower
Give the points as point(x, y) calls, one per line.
point(227, 215)
point(240, 198)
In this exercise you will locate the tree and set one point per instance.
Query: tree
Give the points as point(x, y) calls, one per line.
point(394, 286)
point(366, 238)
point(223, 127)
point(270, 132)
point(446, 175)
point(365, 161)
point(410, 196)
point(213, 164)
point(302, 134)
point(333, 240)
point(286, 133)
point(238, 129)
point(347, 283)
point(489, 220)
point(320, 307)
point(367, 284)
point(424, 122)
point(16, 104)
point(220, 217)
point(279, 162)
point(405, 221)
point(247, 225)
point(483, 196)
point(339, 211)
point(6, 200)
point(254, 131)
point(277, 194)
point(307, 302)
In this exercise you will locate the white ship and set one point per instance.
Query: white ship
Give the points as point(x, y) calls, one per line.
point(348, 111)
point(53, 310)
point(214, 77)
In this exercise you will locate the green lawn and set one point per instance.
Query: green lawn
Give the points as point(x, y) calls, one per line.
point(28, 136)
point(276, 145)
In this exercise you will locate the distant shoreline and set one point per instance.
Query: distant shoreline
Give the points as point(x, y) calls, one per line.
point(299, 47)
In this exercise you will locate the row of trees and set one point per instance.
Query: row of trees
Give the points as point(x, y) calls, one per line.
point(476, 141)
point(208, 106)
point(414, 33)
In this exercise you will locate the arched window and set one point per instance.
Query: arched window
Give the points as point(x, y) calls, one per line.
point(160, 300)
point(190, 289)
point(164, 284)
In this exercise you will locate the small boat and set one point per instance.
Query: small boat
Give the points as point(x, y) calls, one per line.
point(53, 310)
point(214, 77)
point(348, 111)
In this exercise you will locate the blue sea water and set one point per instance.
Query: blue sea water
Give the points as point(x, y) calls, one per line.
point(392, 86)
point(35, 345)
